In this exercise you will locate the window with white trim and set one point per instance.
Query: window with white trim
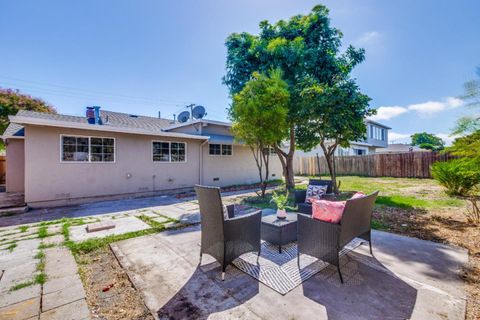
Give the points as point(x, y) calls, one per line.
point(215, 149)
point(87, 149)
point(164, 151)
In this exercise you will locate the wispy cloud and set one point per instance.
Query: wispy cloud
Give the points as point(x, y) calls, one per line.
point(423, 109)
point(368, 38)
point(387, 113)
point(431, 107)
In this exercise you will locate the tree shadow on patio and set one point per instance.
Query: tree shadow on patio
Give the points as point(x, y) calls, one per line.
point(370, 291)
point(204, 294)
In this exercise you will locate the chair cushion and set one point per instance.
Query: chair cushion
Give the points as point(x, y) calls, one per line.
point(315, 192)
point(358, 195)
point(328, 211)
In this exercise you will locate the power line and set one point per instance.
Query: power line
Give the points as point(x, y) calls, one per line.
point(90, 92)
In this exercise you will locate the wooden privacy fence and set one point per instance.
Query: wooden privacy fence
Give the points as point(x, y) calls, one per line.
point(3, 169)
point(399, 165)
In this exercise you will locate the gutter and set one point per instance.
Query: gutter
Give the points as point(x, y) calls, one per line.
point(106, 128)
point(200, 162)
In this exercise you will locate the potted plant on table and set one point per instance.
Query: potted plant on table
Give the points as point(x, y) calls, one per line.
point(280, 201)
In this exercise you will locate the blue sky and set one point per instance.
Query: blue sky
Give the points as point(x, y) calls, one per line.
point(148, 56)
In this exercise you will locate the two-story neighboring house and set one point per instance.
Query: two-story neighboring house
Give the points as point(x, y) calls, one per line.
point(377, 137)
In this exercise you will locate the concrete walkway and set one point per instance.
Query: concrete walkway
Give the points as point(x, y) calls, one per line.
point(407, 278)
point(60, 297)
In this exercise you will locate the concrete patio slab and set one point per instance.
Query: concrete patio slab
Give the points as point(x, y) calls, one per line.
point(407, 278)
point(22, 310)
point(77, 310)
point(62, 297)
point(122, 225)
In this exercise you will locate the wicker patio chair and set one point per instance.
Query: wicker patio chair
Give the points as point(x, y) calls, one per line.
point(300, 195)
point(226, 238)
point(325, 240)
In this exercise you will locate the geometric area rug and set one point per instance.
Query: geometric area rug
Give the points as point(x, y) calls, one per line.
point(280, 271)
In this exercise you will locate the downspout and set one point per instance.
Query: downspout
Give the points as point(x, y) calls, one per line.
point(200, 161)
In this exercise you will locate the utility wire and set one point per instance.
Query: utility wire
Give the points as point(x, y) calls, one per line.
point(90, 92)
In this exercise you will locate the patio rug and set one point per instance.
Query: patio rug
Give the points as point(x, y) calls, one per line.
point(280, 271)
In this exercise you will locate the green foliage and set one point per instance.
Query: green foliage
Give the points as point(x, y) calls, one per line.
point(307, 50)
point(427, 141)
point(471, 96)
point(23, 228)
point(262, 102)
point(467, 146)
point(12, 247)
point(280, 200)
point(12, 100)
point(458, 176)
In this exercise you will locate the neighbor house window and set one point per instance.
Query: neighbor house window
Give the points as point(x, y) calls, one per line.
point(220, 149)
point(87, 149)
point(169, 151)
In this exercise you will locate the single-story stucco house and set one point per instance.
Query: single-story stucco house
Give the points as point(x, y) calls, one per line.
point(60, 160)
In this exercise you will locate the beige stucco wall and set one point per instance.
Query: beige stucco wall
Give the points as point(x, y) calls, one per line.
point(48, 181)
point(15, 173)
point(239, 168)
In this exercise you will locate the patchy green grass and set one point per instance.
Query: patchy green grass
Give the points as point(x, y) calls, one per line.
point(23, 228)
point(43, 232)
point(22, 285)
point(45, 246)
point(39, 278)
point(96, 243)
point(12, 246)
point(405, 193)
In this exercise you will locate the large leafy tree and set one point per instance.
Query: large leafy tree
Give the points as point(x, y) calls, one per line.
point(259, 114)
point(427, 141)
point(11, 101)
point(306, 48)
point(336, 114)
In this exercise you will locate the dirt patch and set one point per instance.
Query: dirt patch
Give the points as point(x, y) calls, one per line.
point(110, 294)
point(445, 226)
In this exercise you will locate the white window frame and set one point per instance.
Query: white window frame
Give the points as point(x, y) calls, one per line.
point(89, 149)
point(170, 151)
point(221, 148)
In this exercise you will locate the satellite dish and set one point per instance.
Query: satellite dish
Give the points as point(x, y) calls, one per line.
point(198, 112)
point(184, 116)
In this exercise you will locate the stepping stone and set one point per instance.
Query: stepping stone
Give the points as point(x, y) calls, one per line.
point(22, 310)
point(13, 297)
point(62, 297)
point(160, 219)
point(59, 263)
point(53, 285)
point(77, 310)
point(55, 240)
point(105, 225)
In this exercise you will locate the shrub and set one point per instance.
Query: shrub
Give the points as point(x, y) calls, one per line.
point(458, 176)
point(461, 177)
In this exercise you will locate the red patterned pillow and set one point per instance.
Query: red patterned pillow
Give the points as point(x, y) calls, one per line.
point(328, 211)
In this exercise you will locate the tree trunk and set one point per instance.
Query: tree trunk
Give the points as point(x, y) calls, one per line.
point(286, 160)
point(256, 151)
point(266, 158)
point(329, 158)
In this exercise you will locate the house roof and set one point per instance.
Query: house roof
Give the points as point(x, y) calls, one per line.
point(378, 124)
point(14, 131)
point(112, 122)
point(189, 123)
point(400, 148)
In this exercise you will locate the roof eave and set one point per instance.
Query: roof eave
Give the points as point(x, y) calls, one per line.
point(105, 128)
